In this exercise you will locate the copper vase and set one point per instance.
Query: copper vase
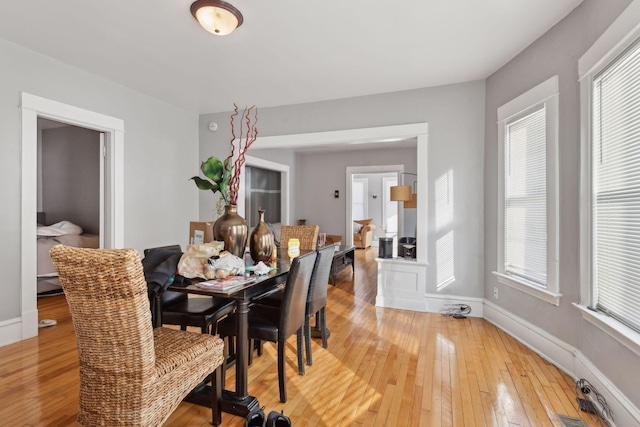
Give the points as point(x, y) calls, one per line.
point(261, 242)
point(231, 229)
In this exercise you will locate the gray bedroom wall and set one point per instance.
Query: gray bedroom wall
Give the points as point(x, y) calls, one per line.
point(71, 176)
point(455, 114)
point(556, 53)
point(160, 144)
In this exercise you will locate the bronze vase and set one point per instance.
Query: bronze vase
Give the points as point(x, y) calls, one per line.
point(231, 229)
point(261, 242)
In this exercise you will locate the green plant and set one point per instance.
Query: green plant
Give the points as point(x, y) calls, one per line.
point(219, 174)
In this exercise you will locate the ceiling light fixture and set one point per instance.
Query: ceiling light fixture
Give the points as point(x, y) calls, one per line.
point(216, 16)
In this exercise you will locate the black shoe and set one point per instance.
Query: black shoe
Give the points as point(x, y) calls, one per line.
point(276, 419)
point(255, 418)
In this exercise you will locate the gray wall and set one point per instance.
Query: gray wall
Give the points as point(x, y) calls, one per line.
point(455, 114)
point(556, 52)
point(160, 151)
point(325, 172)
point(71, 176)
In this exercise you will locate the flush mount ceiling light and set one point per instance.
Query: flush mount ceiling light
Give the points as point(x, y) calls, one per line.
point(216, 16)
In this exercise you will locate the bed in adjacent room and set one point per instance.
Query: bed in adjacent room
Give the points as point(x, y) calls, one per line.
point(63, 232)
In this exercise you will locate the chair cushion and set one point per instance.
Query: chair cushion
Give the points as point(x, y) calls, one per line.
point(263, 323)
point(175, 348)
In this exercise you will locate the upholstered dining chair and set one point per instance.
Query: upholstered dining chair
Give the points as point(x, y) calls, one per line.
point(176, 308)
point(276, 324)
point(307, 234)
point(130, 373)
point(316, 299)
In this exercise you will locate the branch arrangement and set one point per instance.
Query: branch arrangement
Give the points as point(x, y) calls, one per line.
point(240, 144)
point(224, 177)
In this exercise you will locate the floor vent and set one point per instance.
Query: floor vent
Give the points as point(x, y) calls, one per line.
point(566, 421)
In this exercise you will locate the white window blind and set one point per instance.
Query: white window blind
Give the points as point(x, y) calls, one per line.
point(525, 197)
point(616, 188)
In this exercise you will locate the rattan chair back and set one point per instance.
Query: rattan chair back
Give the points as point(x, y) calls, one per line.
point(306, 234)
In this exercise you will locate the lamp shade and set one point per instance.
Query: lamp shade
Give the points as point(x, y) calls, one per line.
point(401, 193)
point(216, 16)
point(413, 203)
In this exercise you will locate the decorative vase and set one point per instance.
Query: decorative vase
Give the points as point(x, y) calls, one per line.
point(261, 242)
point(231, 229)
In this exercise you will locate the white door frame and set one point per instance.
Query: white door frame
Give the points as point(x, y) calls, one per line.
point(355, 170)
point(33, 107)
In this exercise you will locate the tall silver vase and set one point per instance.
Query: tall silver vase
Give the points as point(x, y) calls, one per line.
point(261, 243)
point(231, 229)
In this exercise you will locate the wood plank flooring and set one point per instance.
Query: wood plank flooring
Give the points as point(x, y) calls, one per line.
point(383, 367)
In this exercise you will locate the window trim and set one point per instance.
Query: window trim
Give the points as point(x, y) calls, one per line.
point(622, 33)
point(545, 93)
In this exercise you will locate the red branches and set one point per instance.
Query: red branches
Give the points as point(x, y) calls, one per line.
point(234, 163)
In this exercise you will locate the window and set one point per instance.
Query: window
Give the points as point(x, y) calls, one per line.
point(615, 188)
point(527, 211)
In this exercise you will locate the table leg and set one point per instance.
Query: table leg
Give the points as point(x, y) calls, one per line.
point(238, 403)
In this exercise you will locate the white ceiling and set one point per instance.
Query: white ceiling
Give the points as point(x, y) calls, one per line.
point(287, 51)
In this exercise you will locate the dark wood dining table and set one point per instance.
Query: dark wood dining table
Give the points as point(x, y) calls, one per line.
point(239, 402)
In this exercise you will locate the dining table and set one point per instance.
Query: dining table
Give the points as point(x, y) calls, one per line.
point(239, 402)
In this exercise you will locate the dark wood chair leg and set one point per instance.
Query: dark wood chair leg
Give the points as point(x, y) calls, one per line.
point(260, 347)
point(183, 327)
point(299, 352)
point(323, 327)
point(223, 372)
point(307, 340)
point(216, 395)
point(282, 372)
point(250, 355)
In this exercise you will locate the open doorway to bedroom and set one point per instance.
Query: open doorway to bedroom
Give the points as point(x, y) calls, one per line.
point(111, 191)
point(70, 170)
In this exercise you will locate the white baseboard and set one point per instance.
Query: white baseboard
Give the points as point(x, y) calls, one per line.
point(432, 303)
point(399, 303)
point(10, 331)
point(566, 358)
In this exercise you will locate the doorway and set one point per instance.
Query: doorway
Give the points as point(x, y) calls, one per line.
point(370, 199)
point(70, 170)
point(111, 189)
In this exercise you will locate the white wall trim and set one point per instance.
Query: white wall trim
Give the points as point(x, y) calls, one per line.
point(531, 289)
point(33, 107)
point(11, 331)
point(617, 330)
point(620, 34)
point(565, 357)
point(340, 137)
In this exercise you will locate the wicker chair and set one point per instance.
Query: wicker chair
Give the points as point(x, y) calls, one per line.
point(307, 234)
point(130, 373)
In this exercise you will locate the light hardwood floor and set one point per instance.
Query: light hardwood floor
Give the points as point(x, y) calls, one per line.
point(383, 367)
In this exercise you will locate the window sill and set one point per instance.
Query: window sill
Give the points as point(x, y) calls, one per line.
point(521, 285)
point(621, 333)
